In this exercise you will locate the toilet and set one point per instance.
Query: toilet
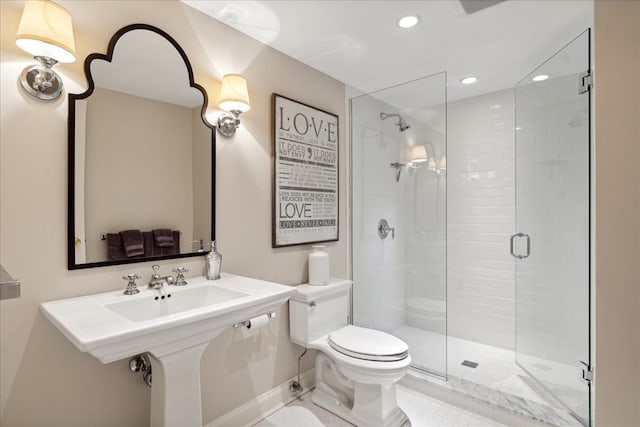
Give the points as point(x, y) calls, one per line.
point(356, 368)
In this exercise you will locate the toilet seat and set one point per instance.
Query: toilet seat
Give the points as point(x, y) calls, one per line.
point(368, 344)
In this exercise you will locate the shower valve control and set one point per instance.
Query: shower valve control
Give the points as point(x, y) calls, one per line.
point(384, 229)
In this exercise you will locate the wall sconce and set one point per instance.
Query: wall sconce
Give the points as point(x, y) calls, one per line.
point(234, 98)
point(46, 32)
point(418, 156)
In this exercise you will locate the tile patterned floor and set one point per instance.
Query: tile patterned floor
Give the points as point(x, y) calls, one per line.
point(496, 379)
point(423, 411)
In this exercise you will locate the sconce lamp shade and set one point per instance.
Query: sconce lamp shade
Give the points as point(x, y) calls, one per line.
point(46, 30)
point(418, 154)
point(443, 162)
point(234, 95)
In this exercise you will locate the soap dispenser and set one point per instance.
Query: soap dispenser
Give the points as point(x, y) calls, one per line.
point(214, 262)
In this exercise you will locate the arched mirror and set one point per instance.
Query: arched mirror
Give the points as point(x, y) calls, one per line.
point(141, 155)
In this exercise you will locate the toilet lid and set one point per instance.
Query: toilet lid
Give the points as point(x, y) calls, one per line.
point(368, 344)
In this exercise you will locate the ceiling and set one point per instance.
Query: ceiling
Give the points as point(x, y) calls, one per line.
point(359, 43)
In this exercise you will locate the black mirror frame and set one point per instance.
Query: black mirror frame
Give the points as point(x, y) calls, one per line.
point(71, 122)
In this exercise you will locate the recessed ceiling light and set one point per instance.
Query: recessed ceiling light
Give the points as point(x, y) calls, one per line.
point(469, 80)
point(408, 21)
point(540, 78)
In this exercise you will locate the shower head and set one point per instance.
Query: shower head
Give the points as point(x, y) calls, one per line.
point(401, 123)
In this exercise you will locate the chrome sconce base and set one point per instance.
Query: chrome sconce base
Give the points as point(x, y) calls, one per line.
point(40, 81)
point(229, 123)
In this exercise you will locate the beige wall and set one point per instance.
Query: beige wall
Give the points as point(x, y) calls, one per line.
point(617, 213)
point(44, 379)
point(139, 168)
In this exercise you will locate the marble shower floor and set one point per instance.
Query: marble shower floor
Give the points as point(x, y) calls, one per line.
point(496, 379)
point(422, 410)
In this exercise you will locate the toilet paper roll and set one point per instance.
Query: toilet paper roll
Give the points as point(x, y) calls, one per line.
point(258, 322)
point(254, 325)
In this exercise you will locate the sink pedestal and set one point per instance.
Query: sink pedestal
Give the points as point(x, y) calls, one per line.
point(176, 398)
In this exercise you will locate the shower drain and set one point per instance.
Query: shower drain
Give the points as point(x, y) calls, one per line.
point(469, 363)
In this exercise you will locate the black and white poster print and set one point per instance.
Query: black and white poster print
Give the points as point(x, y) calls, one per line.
point(306, 174)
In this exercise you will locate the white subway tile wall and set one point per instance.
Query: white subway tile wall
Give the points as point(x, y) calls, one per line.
point(378, 265)
point(480, 219)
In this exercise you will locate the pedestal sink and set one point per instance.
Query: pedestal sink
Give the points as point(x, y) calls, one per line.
point(174, 325)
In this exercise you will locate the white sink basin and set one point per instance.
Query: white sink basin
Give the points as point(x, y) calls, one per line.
point(112, 326)
point(146, 307)
point(174, 325)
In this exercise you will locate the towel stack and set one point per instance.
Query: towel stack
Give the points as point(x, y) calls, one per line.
point(137, 244)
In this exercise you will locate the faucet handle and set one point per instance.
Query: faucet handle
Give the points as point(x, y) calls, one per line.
point(132, 288)
point(180, 280)
point(156, 269)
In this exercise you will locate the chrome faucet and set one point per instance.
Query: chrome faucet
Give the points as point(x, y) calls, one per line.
point(156, 281)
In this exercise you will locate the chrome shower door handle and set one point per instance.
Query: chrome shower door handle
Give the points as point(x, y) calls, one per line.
point(512, 245)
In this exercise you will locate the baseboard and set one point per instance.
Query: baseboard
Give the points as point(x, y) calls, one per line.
point(264, 405)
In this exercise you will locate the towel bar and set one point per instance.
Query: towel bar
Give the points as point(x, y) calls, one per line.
point(103, 236)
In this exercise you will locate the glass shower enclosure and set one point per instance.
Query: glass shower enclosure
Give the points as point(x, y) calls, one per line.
point(398, 177)
point(520, 327)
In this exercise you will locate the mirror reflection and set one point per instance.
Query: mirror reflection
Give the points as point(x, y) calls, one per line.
point(143, 155)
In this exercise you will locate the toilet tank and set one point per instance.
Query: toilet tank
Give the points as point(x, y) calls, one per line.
point(316, 310)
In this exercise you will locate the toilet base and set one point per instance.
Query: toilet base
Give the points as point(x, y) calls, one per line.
point(374, 405)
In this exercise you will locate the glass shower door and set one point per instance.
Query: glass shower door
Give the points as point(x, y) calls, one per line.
point(552, 243)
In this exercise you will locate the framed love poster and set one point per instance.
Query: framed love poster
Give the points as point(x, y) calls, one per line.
point(305, 196)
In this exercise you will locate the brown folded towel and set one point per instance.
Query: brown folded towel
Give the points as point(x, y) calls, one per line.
point(115, 250)
point(149, 246)
point(132, 242)
point(152, 249)
point(163, 237)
